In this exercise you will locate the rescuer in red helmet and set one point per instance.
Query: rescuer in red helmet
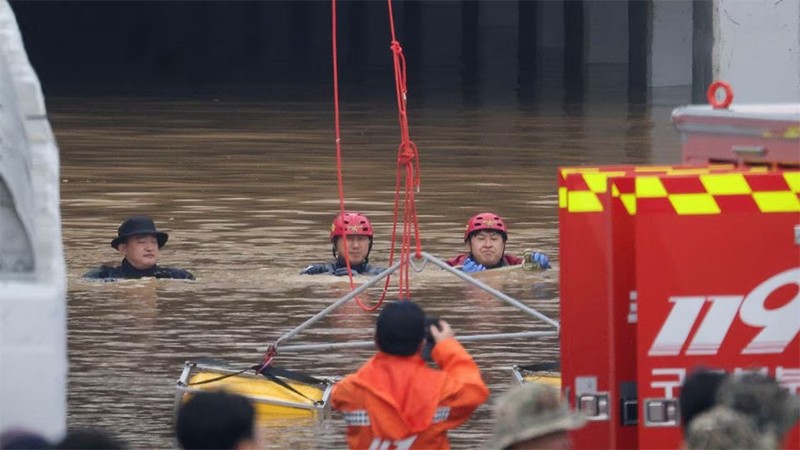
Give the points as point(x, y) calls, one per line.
point(358, 230)
point(486, 237)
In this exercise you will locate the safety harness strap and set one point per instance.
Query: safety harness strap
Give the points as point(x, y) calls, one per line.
point(270, 372)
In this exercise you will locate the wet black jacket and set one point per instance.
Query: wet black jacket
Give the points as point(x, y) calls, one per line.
point(339, 268)
point(126, 270)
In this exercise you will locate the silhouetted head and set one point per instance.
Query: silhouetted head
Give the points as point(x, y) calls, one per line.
point(19, 439)
point(400, 329)
point(698, 394)
point(89, 439)
point(215, 420)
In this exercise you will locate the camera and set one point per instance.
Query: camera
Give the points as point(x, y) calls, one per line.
point(427, 347)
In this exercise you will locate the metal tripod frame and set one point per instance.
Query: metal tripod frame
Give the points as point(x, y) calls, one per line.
point(418, 266)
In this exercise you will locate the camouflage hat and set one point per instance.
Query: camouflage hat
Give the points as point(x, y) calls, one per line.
point(723, 428)
point(530, 411)
point(771, 407)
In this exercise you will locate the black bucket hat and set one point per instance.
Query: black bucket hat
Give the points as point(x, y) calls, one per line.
point(136, 226)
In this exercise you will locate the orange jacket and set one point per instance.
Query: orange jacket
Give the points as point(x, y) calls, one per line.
point(399, 402)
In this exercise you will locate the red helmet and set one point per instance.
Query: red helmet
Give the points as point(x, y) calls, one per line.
point(486, 221)
point(353, 223)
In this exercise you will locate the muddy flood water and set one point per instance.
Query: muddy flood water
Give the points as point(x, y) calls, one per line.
point(246, 187)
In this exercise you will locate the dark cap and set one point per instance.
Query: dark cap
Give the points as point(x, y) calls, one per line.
point(400, 328)
point(136, 226)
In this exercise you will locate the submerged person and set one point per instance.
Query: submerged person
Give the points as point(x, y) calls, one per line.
point(486, 237)
point(139, 242)
point(395, 400)
point(359, 243)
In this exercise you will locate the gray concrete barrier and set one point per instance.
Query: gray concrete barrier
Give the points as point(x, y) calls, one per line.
point(33, 349)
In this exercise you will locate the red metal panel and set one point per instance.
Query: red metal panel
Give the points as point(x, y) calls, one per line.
point(717, 290)
point(597, 282)
point(683, 185)
point(585, 315)
point(623, 309)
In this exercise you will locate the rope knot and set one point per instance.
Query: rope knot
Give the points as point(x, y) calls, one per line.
point(396, 48)
point(407, 153)
point(269, 355)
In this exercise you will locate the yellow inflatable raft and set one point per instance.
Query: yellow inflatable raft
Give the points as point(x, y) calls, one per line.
point(547, 373)
point(282, 394)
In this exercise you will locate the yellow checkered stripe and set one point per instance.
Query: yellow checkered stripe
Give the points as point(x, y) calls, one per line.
point(744, 193)
point(594, 181)
point(716, 190)
point(586, 200)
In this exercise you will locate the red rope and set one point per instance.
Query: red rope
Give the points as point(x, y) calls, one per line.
point(407, 170)
point(339, 179)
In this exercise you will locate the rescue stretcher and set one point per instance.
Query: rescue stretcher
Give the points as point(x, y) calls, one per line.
point(279, 393)
point(546, 373)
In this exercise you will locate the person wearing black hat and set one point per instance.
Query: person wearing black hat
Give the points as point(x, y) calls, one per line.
point(139, 242)
point(395, 400)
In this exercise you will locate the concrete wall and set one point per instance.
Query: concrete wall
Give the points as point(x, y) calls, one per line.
point(33, 351)
point(606, 35)
point(439, 22)
point(757, 49)
point(702, 49)
point(670, 55)
point(497, 52)
point(550, 24)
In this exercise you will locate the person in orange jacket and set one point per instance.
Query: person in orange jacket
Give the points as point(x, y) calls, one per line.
point(395, 401)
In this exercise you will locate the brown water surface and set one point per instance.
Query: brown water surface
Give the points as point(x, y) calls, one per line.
point(247, 190)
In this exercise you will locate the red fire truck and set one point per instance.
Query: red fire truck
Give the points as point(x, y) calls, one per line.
point(668, 268)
